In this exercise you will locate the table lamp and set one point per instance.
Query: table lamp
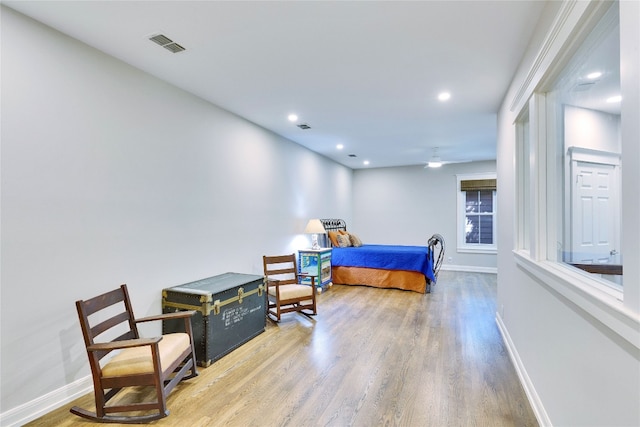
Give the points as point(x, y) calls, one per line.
point(314, 227)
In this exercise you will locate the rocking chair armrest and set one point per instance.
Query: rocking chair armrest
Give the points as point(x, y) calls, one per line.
point(273, 282)
point(165, 316)
point(307, 275)
point(114, 345)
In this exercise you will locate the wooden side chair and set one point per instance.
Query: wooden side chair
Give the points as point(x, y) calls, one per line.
point(108, 324)
point(285, 294)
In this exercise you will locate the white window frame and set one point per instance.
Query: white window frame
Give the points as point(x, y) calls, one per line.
point(604, 304)
point(477, 248)
point(522, 232)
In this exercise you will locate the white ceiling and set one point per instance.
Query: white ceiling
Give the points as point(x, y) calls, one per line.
point(362, 74)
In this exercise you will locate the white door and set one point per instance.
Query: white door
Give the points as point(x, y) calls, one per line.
point(595, 216)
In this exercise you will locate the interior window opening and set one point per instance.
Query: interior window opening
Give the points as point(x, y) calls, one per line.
point(523, 168)
point(586, 154)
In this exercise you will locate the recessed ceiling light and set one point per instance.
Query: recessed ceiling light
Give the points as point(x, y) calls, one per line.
point(594, 75)
point(613, 99)
point(293, 118)
point(444, 96)
point(339, 146)
point(366, 162)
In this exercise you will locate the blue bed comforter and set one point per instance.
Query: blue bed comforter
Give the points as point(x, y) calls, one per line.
point(387, 257)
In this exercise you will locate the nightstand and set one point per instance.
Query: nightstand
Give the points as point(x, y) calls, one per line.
point(316, 262)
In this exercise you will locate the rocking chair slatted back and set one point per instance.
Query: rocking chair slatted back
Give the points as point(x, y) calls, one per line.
point(284, 291)
point(160, 362)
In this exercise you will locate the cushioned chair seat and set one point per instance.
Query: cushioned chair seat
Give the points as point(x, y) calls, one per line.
point(292, 291)
point(137, 360)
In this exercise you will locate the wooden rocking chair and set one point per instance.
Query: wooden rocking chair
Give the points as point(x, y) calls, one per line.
point(285, 294)
point(160, 362)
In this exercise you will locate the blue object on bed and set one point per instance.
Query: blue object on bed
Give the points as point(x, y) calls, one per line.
point(387, 257)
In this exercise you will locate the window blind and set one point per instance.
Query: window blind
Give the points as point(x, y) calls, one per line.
point(478, 184)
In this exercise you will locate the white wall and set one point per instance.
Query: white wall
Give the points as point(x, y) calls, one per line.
point(591, 129)
point(577, 370)
point(112, 176)
point(407, 205)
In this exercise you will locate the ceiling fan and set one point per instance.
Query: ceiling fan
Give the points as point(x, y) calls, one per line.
point(436, 161)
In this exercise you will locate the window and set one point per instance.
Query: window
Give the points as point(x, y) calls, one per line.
point(584, 150)
point(570, 130)
point(477, 213)
point(523, 158)
point(478, 227)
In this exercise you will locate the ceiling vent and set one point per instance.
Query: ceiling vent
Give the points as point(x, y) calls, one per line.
point(166, 43)
point(304, 126)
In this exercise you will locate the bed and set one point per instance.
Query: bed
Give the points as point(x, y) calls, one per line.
point(411, 268)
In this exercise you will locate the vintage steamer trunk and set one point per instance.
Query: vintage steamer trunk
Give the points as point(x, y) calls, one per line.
point(231, 310)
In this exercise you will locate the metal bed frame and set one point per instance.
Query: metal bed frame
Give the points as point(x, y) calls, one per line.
point(435, 243)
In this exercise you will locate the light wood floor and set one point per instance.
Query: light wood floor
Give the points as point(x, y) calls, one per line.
point(372, 357)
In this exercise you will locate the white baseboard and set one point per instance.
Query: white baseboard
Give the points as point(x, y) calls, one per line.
point(469, 268)
point(529, 389)
point(38, 407)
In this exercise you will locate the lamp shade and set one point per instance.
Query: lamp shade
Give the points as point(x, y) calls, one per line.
point(314, 226)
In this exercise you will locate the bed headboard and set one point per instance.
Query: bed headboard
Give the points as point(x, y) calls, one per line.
point(334, 224)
